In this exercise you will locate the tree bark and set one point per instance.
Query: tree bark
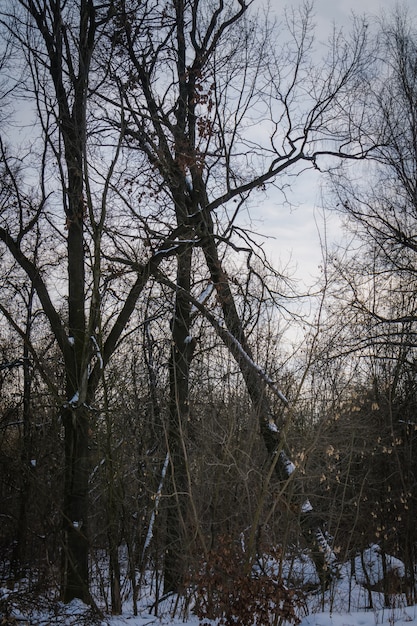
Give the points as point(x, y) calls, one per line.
point(179, 368)
point(69, 71)
point(311, 525)
point(75, 512)
point(20, 548)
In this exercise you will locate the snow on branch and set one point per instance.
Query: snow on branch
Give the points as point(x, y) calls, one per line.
point(306, 507)
point(324, 547)
point(255, 366)
point(74, 400)
point(98, 353)
point(158, 494)
point(286, 463)
point(203, 297)
point(104, 460)
point(175, 246)
point(223, 332)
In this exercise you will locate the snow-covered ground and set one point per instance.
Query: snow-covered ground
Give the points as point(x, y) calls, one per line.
point(348, 603)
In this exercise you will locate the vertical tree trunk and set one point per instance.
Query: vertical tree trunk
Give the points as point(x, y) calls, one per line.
point(20, 550)
point(113, 516)
point(75, 513)
point(69, 67)
point(76, 414)
point(179, 365)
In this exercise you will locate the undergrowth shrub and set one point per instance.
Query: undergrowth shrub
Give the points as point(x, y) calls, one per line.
point(228, 590)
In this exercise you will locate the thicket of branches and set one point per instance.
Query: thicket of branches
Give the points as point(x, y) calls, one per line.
point(151, 409)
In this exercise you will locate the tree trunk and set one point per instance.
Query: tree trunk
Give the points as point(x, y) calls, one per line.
point(20, 549)
point(75, 513)
point(113, 516)
point(311, 525)
point(179, 366)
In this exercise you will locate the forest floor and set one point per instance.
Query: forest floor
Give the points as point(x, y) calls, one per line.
point(354, 600)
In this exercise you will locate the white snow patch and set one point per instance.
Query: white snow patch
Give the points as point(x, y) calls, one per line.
point(33, 462)
point(289, 465)
point(272, 426)
point(189, 181)
point(306, 508)
point(71, 341)
point(346, 603)
point(371, 562)
point(258, 369)
point(74, 399)
point(188, 339)
point(98, 353)
point(158, 495)
point(204, 295)
point(166, 250)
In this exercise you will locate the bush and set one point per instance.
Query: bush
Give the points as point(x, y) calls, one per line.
point(230, 591)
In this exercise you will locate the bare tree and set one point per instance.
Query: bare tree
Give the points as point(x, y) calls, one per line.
point(58, 42)
point(375, 281)
point(154, 126)
point(218, 111)
point(381, 206)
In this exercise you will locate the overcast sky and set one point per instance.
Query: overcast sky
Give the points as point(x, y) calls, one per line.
point(298, 229)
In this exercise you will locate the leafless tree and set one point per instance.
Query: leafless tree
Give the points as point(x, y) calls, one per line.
point(58, 41)
point(155, 123)
point(374, 290)
point(218, 111)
